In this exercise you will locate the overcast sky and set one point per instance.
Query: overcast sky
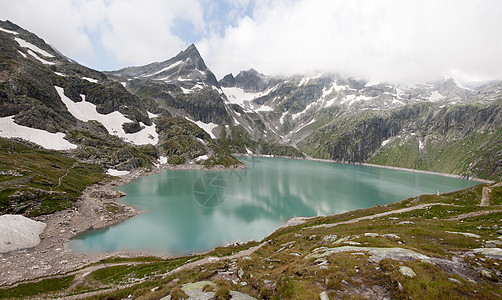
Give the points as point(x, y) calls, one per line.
point(394, 40)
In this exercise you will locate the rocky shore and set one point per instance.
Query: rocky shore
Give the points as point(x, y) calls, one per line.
point(96, 208)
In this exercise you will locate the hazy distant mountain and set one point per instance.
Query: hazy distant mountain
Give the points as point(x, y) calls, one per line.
point(335, 117)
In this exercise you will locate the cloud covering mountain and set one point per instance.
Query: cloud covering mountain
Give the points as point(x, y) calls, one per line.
point(405, 41)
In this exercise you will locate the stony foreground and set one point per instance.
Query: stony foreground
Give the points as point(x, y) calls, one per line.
point(431, 246)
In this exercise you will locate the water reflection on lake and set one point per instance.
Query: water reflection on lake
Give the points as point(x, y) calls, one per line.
point(193, 210)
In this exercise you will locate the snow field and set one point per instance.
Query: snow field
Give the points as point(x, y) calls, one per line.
point(86, 111)
point(8, 31)
point(25, 44)
point(207, 127)
point(55, 141)
point(114, 172)
point(45, 62)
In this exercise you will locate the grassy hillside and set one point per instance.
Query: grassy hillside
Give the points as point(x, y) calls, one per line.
point(35, 181)
point(478, 154)
point(425, 247)
point(458, 139)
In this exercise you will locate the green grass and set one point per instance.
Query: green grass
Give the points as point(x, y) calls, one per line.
point(283, 269)
point(42, 287)
point(447, 156)
point(129, 273)
point(36, 182)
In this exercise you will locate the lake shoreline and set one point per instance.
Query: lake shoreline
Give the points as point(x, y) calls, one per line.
point(371, 165)
point(98, 207)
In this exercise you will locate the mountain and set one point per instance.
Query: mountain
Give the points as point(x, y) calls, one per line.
point(250, 81)
point(187, 70)
point(185, 87)
point(330, 116)
point(49, 101)
point(176, 111)
point(351, 120)
point(183, 82)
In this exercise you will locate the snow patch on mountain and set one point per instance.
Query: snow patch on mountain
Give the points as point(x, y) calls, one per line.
point(351, 99)
point(86, 111)
point(237, 95)
point(435, 96)
point(281, 119)
point(264, 108)
point(305, 125)
point(304, 80)
point(372, 83)
point(24, 55)
point(8, 31)
point(164, 69)
point(152, 115)
point(114, 172)
point(90, 79)
point(339, 88)
point(25, 44)
point(202, 157)
point(207, 127)
point(45, 62)
point(55, 141)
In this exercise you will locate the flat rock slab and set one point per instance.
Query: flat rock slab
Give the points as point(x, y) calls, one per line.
point(494, 253)
point(376, 254)
point(18, 232)
point(194, 291)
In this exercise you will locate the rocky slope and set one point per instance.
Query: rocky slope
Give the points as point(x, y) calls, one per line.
point(426, 247)
point(350, 120)
point(185, 87)
point(96, 117)
point(49, 101)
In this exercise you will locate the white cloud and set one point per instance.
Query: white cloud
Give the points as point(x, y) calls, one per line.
point(125, 31)
point(387, 40)
point(141, 32)
point(58, 22)
point(396, 40)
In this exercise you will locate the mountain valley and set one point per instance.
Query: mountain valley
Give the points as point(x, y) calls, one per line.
point(69, 133)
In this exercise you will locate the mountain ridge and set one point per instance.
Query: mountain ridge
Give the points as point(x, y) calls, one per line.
point(249, 113)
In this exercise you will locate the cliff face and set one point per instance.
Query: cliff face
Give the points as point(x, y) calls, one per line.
point(424, 128)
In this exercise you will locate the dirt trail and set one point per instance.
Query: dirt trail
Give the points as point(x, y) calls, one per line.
point(80, 275)
point(397, 211)
point(64, 175)
point(485, 194)
point(473, 214)
point(213, 259)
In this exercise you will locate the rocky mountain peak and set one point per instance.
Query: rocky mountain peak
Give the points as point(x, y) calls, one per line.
point(450, 88)
point(186, 69)
point(192, 58)
point(228, 80)
point(250, 81)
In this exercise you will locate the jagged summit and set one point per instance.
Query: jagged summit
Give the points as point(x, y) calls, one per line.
point(187, 69)
point(250, 81)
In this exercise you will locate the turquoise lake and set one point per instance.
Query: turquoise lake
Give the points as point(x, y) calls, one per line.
point(193, 210)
